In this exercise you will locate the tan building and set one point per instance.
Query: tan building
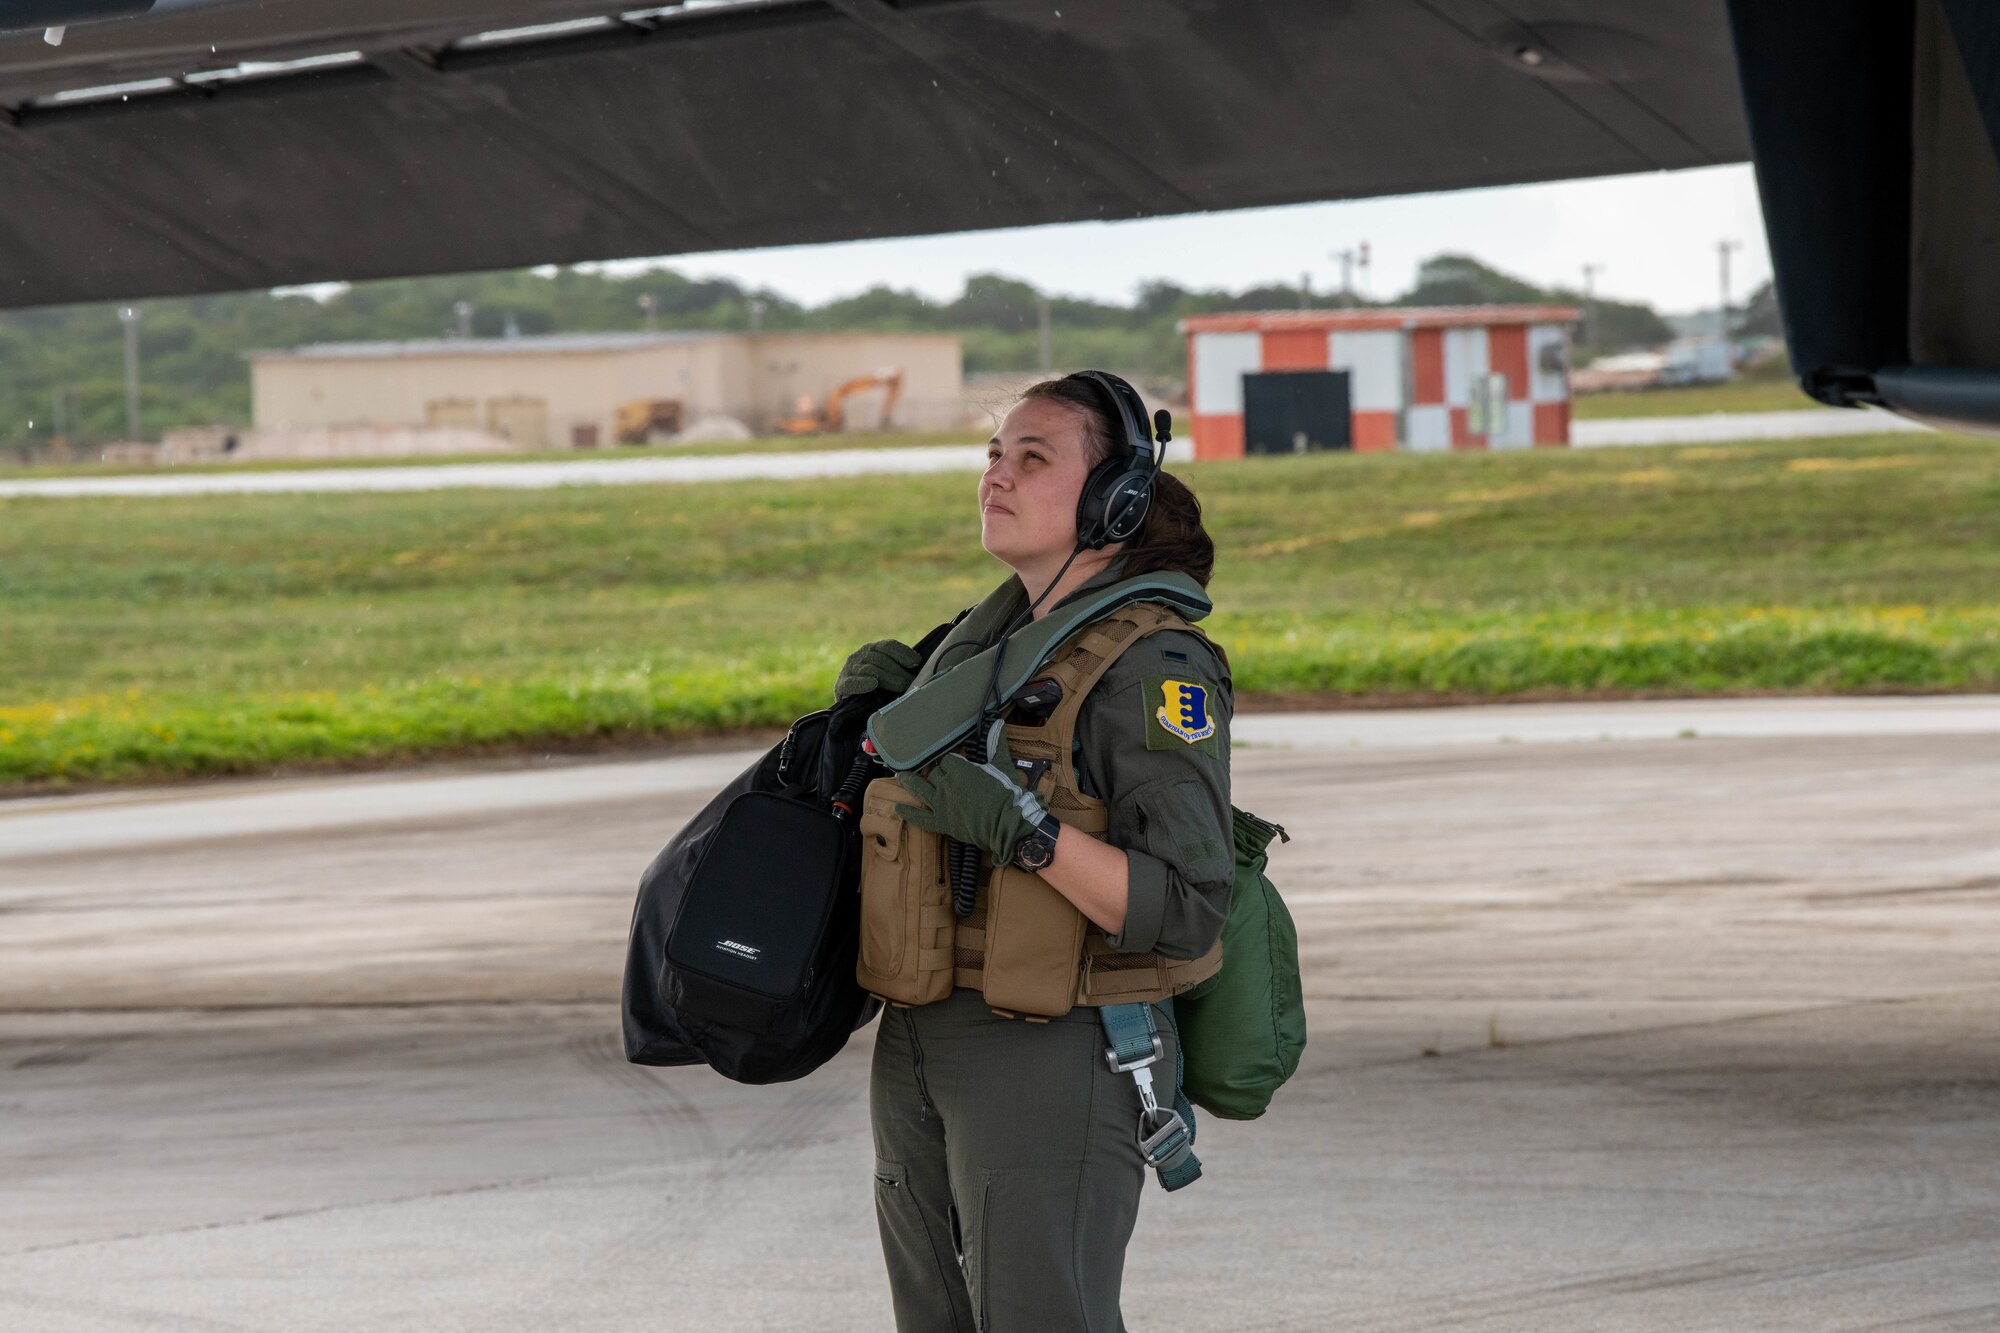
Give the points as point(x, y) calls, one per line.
point(565, 390)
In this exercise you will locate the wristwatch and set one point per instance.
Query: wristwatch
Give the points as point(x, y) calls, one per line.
point(1035, 851)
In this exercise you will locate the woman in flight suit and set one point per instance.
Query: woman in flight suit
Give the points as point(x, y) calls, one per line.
point(1008, 1173)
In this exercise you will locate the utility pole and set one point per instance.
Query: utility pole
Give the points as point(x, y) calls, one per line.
point(1590, 272)
point(1350, 260)
point(463, 309)
point(651, 306)
point(1305, 291)
point(1346, 259)
point(1045, 341)
point(129, 315)
point(1722, 249)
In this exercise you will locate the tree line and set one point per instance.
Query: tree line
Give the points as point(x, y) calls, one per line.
point(62, 368)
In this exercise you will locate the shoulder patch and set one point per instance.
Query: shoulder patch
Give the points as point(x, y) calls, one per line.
point(1178, 714)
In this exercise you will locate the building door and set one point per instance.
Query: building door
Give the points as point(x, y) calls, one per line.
point(463, 412)
point(1296, 411)
point(1486, 416)
point(523, 422)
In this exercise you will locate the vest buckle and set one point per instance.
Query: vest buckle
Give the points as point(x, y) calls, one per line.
point(1162, 1143)
point(1133, 1066)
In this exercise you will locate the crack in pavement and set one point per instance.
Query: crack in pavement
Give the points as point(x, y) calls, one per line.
point(392, 1201)
point(1693, 1024)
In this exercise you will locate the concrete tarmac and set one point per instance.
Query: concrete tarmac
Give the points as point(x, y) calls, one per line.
point(1683, 1033)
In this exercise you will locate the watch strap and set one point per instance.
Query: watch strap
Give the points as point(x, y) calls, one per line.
point(1044, 835)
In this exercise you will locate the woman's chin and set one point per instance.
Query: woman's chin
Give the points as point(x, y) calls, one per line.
point(995, 541)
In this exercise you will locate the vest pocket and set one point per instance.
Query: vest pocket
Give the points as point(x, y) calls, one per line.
point(1034, 945)
point(1110, 977)
point(906, 921)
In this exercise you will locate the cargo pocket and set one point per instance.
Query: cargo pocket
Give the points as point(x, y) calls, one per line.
point(1024, 1265)
point(1034, 945)
point(906, 920)
point(1179, 823)
point(919, 1258)
point(1113, 977)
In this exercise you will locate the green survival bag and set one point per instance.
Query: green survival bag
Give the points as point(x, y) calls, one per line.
point(1242, 1031)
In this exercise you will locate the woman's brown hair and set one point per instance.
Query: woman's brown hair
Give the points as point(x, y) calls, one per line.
point(1171, 537)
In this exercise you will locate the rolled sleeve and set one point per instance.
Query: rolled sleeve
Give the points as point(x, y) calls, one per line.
point(1147, 884)
point(1168, 798)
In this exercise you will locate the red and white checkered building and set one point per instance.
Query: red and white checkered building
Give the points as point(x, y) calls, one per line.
point(1424, 379)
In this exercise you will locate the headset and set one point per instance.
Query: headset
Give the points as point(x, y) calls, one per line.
point(1118, 493)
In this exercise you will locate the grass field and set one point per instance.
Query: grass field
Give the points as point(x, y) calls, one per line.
point(146, 638)
point(1747, 395)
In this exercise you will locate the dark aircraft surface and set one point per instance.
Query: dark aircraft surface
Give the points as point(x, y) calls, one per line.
point(203, 145)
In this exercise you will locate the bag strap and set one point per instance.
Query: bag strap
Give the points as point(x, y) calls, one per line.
point(1166, 1133)
point(938, 713)
point(1080, 663)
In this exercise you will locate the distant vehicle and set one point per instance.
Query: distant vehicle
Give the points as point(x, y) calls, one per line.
point(1705, 359)
point(832, 416)
point(1624, 371)
point(645, 420)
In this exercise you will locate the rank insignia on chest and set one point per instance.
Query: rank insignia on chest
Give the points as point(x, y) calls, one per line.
point(1183, 711)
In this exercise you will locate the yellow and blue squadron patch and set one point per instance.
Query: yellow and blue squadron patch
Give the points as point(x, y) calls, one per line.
point(1180, 714)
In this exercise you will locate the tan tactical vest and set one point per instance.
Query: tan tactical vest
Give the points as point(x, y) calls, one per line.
point(1024, 946)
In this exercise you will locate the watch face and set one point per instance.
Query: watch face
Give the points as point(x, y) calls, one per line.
point(1035, 851)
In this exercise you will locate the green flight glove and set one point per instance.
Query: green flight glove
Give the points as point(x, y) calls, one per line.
point(882, 665)
point(979, 804)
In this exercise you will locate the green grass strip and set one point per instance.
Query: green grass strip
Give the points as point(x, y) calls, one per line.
point(134, 735)
point(144, 639)
point(1690, 651)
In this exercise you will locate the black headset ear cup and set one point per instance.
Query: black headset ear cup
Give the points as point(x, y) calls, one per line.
point(1119, 491)
point(1125, 510)
point(1114, 502)
point(1142, 505)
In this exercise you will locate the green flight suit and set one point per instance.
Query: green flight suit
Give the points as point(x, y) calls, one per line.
point(1007, 1175)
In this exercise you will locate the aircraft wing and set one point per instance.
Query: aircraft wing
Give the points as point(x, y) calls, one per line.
point(178, 146)
point(210, 145)
point(1876, 126)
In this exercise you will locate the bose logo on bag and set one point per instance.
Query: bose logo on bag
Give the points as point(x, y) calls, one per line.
point(740, 950)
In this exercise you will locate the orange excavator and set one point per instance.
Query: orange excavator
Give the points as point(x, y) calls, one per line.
point(824, 420)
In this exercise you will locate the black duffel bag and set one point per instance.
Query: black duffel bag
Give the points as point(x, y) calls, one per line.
point(747, 925)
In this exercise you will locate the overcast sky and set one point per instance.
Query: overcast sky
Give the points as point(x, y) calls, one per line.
point(1654, 234)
